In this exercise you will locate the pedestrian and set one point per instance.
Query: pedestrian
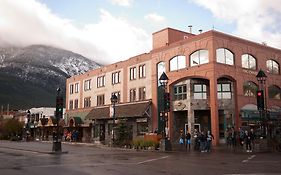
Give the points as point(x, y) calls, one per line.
point(181, 140)
point(253, 137)
point(203, 140)
point(188, 140)
point(196, 140)
point(209, 139)
point(248, 141)
point(241, 136)
point(233, 137)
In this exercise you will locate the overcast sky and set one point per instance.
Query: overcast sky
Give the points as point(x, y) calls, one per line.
point(108, 31)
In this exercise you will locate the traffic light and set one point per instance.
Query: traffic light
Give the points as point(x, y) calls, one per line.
point(167, 102)
point(59, 107)
point(260, 100)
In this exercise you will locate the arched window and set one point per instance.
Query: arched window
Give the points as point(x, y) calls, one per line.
point(199, 57)
point(250, 89)
point(224, 56)
point(160, 69)
point(272, 67)
point(274, 92)
point(177, 62)
point(249, 62)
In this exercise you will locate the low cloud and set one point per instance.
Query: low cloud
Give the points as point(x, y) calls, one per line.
point(255, 20)
point(122, 2)
point(112, 39)
point(154, 17)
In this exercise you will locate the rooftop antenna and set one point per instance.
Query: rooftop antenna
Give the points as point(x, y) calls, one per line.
point(190, 28)
point(200, 31)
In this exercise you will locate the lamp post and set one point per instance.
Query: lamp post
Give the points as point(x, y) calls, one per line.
point(261, 100)
point(27, 125)
point(113, 100)
point(165, 144)
point(58, 114)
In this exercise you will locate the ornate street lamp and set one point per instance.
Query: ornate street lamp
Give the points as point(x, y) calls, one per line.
point(58, 115)
point(114, 100)
point(261, 99)
point(165, 142)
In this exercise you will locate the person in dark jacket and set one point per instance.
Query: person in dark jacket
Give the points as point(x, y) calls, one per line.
point(209, 139)
point(248, 141)
point(188, 140)
point(203, 140)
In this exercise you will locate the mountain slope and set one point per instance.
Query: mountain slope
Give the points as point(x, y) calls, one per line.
point(30, 76)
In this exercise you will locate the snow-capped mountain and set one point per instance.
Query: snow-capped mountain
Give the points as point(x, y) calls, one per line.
point(29, 76)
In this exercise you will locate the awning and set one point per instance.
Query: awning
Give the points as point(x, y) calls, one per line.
point(127, 110)
point(250, 112)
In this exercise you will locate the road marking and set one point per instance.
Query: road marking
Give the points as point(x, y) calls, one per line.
point(248, 159)
point(151, 160)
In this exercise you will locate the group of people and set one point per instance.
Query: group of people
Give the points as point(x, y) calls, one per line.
point(202, 140)
point(242, 136)
point(71, 136)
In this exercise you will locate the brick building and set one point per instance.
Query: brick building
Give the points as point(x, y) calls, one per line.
point(212, 83)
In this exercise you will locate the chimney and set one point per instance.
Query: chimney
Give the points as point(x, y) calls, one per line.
point(190, 29)
point(200, 31)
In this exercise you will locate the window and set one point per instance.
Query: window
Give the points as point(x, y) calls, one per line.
point(133, 73)
point(142, 70)
point(180, 92)
point(248, 62)
point(199, 57)
point(76, 104)
point(274, 92)
point(100, 81)
point(87, 85)
point(76, 87)
point(177, 62)
point(272, 67)
point(87, 102)
point(142, 128)
point(115, 77)
point(100, 100)
point(224, 90)
point(160, 69)
point(118, 95)
point(70, 104)
point(200, 91)
point(224, 56)
point(71, 88)
point(250, 89)
point(132, 95)
point(142, 93)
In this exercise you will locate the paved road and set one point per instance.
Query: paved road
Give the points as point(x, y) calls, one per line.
point(19, 158)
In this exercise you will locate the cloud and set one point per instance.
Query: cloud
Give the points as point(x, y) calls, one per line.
point(255, 20)
point(112, 39)
point(154, 17)
point(122, 2)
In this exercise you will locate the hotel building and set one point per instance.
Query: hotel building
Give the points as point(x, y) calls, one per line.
point(212, 85)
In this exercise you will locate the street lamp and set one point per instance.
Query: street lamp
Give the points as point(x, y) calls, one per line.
point(27, 125)
point(58, 115)
point(165, 142)
point(113, 100)
point(261, 99)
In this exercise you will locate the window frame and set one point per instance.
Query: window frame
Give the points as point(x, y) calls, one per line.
point(271, 69)
point(142, 93)
point(87, 102)
point(222, 93)
point(76, 104)
point(115, 77)
point(202, 92)
point(100, 100)
point(180, 95)
point(225, 56)
point(87, 85)
point(76, 88)
point(250, 58)
point(133, 73)
point(101, 81)
point(199, 53)
point(71, 89)
point(142, 71)
point(133, 95)
point(70, 105)
point(176, 60)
